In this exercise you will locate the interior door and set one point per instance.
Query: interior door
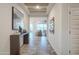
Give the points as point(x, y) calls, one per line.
point(74, 31)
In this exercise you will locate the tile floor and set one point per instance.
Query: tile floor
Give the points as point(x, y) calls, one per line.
point(37, 46)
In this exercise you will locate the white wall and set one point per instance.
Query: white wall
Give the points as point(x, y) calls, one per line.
point(6, 26)
point(59, 40)
point(65, 29)
point(55, 39)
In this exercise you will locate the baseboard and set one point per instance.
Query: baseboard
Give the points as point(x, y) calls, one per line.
point(53, 48)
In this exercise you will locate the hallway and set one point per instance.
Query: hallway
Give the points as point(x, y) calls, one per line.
point(37, 46)
point(46, 25)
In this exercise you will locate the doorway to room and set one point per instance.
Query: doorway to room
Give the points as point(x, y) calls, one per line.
point(40, 29)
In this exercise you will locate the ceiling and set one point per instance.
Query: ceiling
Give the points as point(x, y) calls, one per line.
point(41, 9)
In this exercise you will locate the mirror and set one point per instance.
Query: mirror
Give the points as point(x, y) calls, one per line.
point(17, 19)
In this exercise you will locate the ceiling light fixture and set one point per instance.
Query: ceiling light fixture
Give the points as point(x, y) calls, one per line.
point(37, 7)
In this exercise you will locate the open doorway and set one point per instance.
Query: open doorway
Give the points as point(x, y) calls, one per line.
point(41, 29)
point(38, 26)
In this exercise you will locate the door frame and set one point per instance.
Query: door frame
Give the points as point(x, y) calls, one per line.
point(69, 27)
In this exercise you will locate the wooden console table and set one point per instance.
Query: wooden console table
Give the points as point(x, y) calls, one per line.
point(16, 41)
point(14, 44)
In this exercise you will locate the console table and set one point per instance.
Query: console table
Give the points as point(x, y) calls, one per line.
point(17, 41)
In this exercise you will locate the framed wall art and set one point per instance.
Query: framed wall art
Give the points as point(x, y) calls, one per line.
point(17, 19)
point(52, 25)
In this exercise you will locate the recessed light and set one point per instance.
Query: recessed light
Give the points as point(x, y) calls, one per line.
point(37, 7)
